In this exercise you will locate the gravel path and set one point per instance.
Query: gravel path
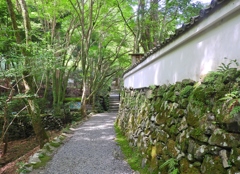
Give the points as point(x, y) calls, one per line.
point(91, 150)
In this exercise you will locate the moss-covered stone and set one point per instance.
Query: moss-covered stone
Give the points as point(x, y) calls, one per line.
point(231, 123)
point(187, 168)
point(161, 118)
point(172, 149)
point(235, 157)
point(223, 139)
point(162, 136)
point(197, 134)
point(208, 124)
point(183, 103)
point(212, 164)
point(180, 112)
point(192, 145)
point(186, 122)
point(183, 140)
point(192, 118)
point(198, 94)
point(200, 152)
point(157, 105)
point(214, 150)
point(173, 131)
point(233, 170)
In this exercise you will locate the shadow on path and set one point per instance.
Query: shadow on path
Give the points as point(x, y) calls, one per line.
point(91, 150)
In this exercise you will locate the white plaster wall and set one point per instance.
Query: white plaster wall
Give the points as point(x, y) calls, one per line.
point(195, 53)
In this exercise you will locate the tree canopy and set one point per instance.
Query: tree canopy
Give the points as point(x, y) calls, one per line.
point(43, 43)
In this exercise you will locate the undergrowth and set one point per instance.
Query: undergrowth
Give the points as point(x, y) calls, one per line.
point(131, 154)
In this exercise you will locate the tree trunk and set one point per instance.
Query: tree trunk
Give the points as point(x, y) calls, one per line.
point(39, 130)
point(59, 87)
point(83, 100)
point(45, 96)
point(27, 78)
point(4, 137)
point(55, 89)
point(93, 102)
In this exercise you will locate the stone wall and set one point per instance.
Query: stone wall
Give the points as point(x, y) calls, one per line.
point(196, 125)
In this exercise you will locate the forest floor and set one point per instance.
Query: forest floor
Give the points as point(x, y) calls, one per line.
point(19, 152)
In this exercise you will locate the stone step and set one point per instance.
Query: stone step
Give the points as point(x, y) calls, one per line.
point(114, 102)
point(114, 98)
point(113, 106)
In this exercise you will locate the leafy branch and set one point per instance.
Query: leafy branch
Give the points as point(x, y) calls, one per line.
point(224, 67)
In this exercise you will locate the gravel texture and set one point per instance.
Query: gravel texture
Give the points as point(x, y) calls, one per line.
point(91, 150)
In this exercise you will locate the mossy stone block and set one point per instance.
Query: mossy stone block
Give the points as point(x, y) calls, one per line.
point(212, 164)
point(197, 134)
point(187, 168)
point(223, 139)
point(235, 157)
point(162, 136)
point(172, 149)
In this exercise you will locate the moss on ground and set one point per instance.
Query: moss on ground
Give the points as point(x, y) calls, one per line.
point(131, 154)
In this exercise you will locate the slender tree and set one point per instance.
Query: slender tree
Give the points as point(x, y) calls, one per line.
point(156, 20)
point(33, 107)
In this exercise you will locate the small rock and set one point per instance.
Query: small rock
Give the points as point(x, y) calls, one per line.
point(183, 124)
point(34, 158)
point(144, 161)
point(223, 155)
point(29, 169)
point(211, 117)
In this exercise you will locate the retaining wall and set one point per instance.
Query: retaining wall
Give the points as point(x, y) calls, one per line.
point(194, 125)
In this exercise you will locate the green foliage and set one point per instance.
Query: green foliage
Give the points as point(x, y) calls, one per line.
point(198, 94)
point(233, 101)
point(235, 110)
point(54, 144)
point(152, 87)
point(44, 159)
point(185, 92)
point(72, 99)
point(76, 116)
point(21, 168)
point(224, 67)
point(196, 132)
point(211, 77)
point(157, 20)
point(173, 129)
point(131, 154)
point(172, 166)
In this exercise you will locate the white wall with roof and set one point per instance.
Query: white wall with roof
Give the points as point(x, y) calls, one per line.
point(196, 52)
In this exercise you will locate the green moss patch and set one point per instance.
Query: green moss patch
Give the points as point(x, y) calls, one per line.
point(131, 154)
point(44, 159)
point(72, 99)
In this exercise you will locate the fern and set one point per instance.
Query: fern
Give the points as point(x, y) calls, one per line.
point(186, 91)
point(233, 101)
point(171, 164)
point(235, 110)
point(225, 67)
